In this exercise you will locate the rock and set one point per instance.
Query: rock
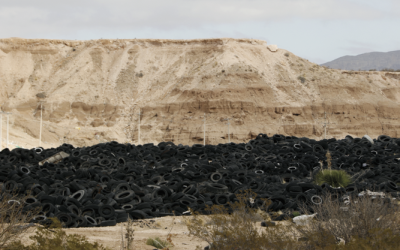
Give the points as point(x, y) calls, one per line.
point(272, 47)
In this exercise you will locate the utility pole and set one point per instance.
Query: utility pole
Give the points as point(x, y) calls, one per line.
point(325, 123)
point(1, 130)
point(40, 129)
point(139, 129)
point(170, 121)
point(8, 119)
point(204, 130)
point(229, 123)
point(229, 133)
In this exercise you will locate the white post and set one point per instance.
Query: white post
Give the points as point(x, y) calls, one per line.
point(229, 134)
point(139, 129)
point(204, 130)
point(40, 129)
point(1, 131)
point(325, 126)
point(7, 127)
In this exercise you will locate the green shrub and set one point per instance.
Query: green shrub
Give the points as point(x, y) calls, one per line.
point(335, 178)
point(158, 243)
point(302, 79)
point(296, 213)
point(54, 238)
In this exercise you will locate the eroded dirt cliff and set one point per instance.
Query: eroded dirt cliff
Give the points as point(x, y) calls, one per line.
point(92, 91)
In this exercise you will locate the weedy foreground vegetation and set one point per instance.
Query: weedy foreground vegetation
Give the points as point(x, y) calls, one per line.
point(364, 223)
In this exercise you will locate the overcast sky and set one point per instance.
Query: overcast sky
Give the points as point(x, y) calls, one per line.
point(318, 30)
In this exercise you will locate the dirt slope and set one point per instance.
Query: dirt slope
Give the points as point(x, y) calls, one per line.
point(91, 91)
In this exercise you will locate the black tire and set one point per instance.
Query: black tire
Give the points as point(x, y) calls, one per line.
point(108, 223)
point(267, 223)
point(90, 221)
point(122, 219)
point(79, 195)
point(302, 198)
point(75, 210)
point(82, 222)
point(106, 211)
point(216, 188)
point(316, 200)
point(65, 219)
point(215, 177)
point(48, 208)
point(161, 192)
point(138, 214)
point(89, 210)
point(221, 199)
point(124, 196)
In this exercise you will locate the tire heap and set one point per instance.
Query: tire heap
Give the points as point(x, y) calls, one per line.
point(103, 184)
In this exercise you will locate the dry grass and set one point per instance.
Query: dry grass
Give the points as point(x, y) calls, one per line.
point(53, 237)
point(365, 224)
point(14, 219)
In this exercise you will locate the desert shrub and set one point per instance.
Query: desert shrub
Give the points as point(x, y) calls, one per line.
point(14, 218)
point(365, 223)
point(335, 178)
point(234, 226)
point(362, 220)
point(296, 213)
point(158, 243)
point(286, 54)
point(129, 235)
point(54, 237)
point(302, 79)
point(383, 239)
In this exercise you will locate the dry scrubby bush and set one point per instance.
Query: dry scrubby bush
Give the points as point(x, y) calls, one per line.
point(14, 218)
point(364, 223)
point(354, 220)
point(54, 237)
point(302, 79)
point(230, 227)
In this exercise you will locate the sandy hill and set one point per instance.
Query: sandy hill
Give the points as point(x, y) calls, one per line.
point(92, 91)
point(367, 61)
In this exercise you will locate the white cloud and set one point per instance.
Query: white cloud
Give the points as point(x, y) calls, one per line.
point(317, 29)
point(104, 14)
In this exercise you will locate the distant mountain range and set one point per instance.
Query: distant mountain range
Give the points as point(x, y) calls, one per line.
point(367, 61)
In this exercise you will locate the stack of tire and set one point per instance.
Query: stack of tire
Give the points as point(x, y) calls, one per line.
point(106, 183)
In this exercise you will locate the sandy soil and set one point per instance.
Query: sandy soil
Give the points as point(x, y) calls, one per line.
point(144, 229)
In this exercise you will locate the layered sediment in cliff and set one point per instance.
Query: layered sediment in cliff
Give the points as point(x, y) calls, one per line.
point(92, 91)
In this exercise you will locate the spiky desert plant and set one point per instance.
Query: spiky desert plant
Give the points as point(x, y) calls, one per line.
point(335, 178)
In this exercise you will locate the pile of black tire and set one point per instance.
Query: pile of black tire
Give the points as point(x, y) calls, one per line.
point(103, 184)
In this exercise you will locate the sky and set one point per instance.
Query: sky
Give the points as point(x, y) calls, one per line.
point(318, 30)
